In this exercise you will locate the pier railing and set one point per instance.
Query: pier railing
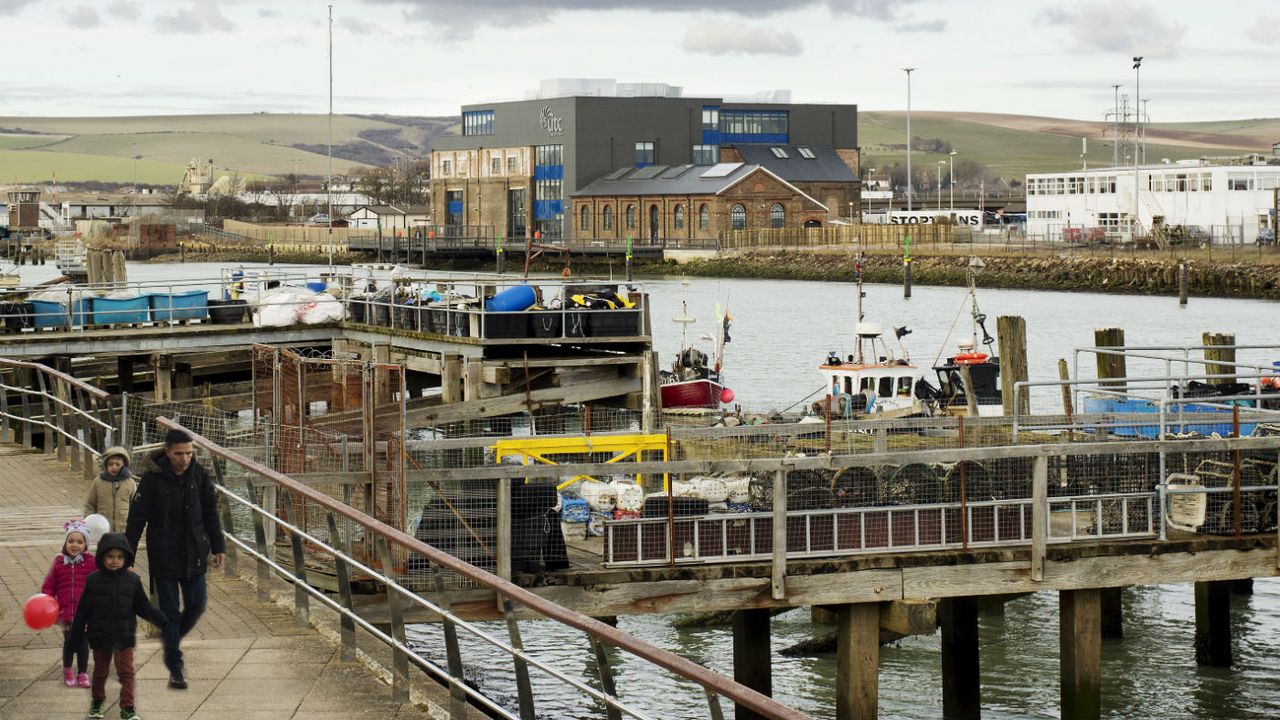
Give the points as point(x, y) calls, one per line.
point(74, 418)
point(393, 545)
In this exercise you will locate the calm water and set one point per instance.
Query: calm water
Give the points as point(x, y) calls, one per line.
point(781, 331)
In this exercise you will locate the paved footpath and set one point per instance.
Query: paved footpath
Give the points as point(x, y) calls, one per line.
point(245, 660)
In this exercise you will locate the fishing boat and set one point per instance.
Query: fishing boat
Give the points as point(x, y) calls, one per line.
point(969, 380)
point(872, 380)
point(695, 379)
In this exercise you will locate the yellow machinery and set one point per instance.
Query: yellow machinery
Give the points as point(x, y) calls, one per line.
point(621, 448)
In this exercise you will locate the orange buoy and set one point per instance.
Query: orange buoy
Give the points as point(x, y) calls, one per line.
point(970, 358)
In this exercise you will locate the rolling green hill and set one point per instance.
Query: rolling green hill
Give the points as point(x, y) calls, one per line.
point(34, 149)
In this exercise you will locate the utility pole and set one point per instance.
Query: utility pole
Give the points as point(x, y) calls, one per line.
point(328, 185)
point(1137, 128)
point(1115, 132)
point(909, 70)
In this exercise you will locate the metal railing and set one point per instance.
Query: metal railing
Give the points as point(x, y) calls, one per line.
point(392, 543)
point(71, 415)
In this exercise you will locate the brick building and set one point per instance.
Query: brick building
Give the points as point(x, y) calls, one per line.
point(518, 166)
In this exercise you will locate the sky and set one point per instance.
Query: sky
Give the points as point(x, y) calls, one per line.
point(1202, 60)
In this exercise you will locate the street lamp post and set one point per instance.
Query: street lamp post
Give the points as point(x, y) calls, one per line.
point(940, 164)
point(1137, 120)
point(952, 182)
point(909, 70)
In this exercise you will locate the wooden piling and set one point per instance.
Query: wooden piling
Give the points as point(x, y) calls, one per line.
point(961, 681)
point(1110, 366)
point(451, 379)
point(1182, 283)
point(906, 277)
point(1080, 650)
point(1220, 360)
point(1011, 332)
point(752, 656)
point(1112, 603)
point(162, 366)
point(858, 662)
point(1213, 623)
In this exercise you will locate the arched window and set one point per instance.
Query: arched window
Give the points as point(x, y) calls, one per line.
point(738, 217)
point(704, 218)
point(631, 217)
point(584, 219)
point(677, 220)
point(777, 216)
point(606, 218)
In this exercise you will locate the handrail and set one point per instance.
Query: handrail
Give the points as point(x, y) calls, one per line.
point(709, 680)
point(78, 383)
point(68, 408)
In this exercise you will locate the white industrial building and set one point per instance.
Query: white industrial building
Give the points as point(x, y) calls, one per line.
point(1231, 202)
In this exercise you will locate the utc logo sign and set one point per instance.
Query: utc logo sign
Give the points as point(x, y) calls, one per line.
point(552, 123)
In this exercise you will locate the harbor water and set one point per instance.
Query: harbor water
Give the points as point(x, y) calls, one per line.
point(781, 331)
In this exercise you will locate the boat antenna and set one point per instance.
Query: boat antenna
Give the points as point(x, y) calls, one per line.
point(857, 275)
point(684, 320)
point(976, 266)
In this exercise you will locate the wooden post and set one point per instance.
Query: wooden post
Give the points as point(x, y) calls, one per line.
point(1225, 357)
point(1110, 366)
point(1068, 408)
point(752, 655)
point(451, 379)
point(1213, 623)
point(474, 379)
point(124, 373)
point(1112, 606)
point(858, 662)
point(779, 584)
point(906, 277)
point(162, 366)
point(1011, 331)
point(1080, 640)
point(970, 397)
point(961, 682)
point(1039, 516)
point(1182, 282)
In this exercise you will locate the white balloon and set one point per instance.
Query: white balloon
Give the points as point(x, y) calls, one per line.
point(99, 525)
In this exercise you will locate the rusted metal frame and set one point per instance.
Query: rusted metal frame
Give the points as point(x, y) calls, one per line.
point(399, 659)
point(301, 601)
point(260, 542)
point(641, 649)
point(343, 573)
point(606, 679)
point(524, 690)
point(457, 698)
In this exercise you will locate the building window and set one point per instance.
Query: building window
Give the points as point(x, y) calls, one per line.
point(606, 218)
point(1239, 183)
point(710, 118)
point(645, 153)
point(753, 126)
point(806, 153)
point(445, 167)
point(677, 218)
point(777, 215)
point(513, 164)
point(704, 218)
point(477, 122)
point(584, 218)
point(495, 167)
point(779, 153)
point(631, 217)
point(738, 217)
point(706, 154)
point(453, 207)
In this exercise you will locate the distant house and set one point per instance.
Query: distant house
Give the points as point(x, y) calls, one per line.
point(90, 206)
point(390, 217)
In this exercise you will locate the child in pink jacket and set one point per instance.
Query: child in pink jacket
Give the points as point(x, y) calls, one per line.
point(65, 582)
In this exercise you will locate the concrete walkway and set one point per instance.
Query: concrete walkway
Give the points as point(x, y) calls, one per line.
point(245, 660)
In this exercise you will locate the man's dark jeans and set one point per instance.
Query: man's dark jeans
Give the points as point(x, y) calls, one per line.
point(195, 596)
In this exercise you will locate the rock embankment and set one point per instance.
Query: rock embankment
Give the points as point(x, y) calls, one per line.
point(1148, 276)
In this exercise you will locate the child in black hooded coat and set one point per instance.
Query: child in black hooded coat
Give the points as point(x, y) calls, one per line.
point(112, 598)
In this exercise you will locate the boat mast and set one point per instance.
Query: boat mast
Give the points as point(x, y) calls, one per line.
point(684, 320)
point(857, 271)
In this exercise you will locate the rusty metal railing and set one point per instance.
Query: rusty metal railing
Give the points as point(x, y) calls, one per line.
point(389, 539)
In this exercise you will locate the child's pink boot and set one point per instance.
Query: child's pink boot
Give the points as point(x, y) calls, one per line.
point(82, 679)
point(69, 677)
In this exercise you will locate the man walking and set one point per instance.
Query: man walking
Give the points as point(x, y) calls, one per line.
point(178, 507)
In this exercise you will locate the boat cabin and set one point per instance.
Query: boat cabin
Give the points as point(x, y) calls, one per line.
point(858, 386)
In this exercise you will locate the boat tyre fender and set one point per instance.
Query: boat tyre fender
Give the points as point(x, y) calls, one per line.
point(971, 358)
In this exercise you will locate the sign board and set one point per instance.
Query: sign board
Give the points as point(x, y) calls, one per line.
point(971, 218)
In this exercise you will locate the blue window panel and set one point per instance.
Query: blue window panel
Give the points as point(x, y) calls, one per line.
point(643, 164)
point(712, 137)
point(548, 172)
point(547, 209)
point(755, 138)
point(455, 207)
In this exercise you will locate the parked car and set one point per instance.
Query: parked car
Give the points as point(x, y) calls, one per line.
point(1266, 236)
point(319, 219)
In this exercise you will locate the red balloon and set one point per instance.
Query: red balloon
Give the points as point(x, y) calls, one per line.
point(40, 611)
point(726, 396)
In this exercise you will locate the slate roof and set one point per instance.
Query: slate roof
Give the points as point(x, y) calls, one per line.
point(825, 166)
point(664, 180)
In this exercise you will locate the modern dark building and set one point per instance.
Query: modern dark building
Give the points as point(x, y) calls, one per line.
point(517, 165)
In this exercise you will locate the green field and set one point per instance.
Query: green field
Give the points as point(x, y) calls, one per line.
point(101, 148)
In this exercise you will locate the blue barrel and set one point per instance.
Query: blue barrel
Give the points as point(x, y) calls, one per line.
point(317, 286)
point(513, 299)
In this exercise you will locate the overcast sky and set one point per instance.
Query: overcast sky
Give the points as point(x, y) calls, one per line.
point(1204, 60)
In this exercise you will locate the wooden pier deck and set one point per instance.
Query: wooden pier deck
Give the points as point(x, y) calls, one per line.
point(245, 659)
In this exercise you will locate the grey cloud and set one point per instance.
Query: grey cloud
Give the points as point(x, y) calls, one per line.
point(1264, 31)
point(463, 16)
point(13, 7)
point(267, 13)
point(924, 26)
point(83, 17)
point(356, 27)
point(730, 37)
point(201, 17)
point(1120, 26)
point(124, 10)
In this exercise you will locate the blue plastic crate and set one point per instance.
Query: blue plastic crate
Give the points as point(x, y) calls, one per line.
point(189, 305)
point(120, 311)
point(49, 314)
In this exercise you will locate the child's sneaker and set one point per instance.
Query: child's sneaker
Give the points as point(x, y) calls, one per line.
point(96, 707)
point(129, 714)
point(69, 677)
point(82, 679)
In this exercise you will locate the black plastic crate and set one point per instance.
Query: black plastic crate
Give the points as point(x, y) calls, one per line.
point(613, 323)
point(506, 325)
point(544, 323)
